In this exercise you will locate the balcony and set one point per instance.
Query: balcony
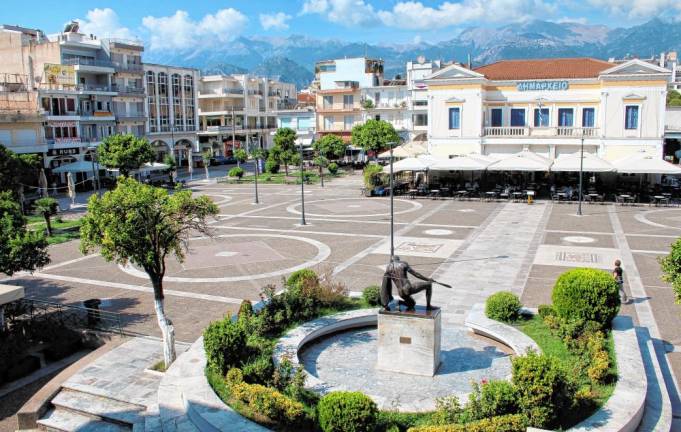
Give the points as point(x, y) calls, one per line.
point(82, 61)
point(128, 91)
point(128, 67)
point(222, 92)
point(131, 117)
point(559, 131)
point(388, 105)
point(339, 108)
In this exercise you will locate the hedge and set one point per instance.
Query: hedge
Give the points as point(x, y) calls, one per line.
point(586, 295)
point(503, 306)
point(507, 423)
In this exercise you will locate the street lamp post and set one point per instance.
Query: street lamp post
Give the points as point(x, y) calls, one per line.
point(392, 214)
point(581, 174)
point(257, 154)
point(302, 186)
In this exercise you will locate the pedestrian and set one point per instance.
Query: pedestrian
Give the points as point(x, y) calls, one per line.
point(617, 273)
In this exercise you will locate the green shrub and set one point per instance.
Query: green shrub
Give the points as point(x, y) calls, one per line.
point(300, 277)
point(225, 344)
point(259, 370)
point(237, 172)
point(372, 295)
point(267, 178)
point(333, 168)
point(546, 310)
point(542, 387)
point(271, 166)
point(586, 295)
point(507, 423)
point(447, 410)
point(503, 306)
point(269, 403)
point(347, 412)
point(671, 264)
point(494, 398)
point(245, 310)
point(372, 176)
point(234, 376)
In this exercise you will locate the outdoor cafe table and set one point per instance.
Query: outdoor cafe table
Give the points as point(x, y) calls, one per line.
point(594, 197)
point(625, 198)
point(660, 200)
point(490, 195)
point(517, 196)
point(413, 193)
point(434, 193)
point(462, 194)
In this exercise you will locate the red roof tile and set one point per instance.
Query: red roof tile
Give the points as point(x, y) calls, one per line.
point(562, 68)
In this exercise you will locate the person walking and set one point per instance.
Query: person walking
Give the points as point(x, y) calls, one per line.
point(617, 273)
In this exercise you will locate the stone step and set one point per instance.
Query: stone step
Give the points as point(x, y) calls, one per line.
point(58, 420)
point(97, 406)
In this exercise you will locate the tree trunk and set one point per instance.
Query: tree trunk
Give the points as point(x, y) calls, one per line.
point(48, 223)
point(286, 168)
point(207, 176)
point(167, 329)
point(321, 174)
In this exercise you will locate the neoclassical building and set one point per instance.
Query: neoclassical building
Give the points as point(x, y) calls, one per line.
point(172, 110)
point(547, 106)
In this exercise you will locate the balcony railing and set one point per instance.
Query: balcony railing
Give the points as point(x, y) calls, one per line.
point(341, 107)
point(521, 131)
point(128, 90)
point(129, 67)
point(87, 62)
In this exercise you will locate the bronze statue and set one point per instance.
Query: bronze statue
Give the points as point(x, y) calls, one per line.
point(397, 272)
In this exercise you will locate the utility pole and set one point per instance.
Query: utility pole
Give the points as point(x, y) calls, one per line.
point(392, 213)
point(257, 159)
point(581, 174)
point(302, 186)
point(233, 130)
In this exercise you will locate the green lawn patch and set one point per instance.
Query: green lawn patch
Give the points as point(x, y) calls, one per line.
point(62, 231)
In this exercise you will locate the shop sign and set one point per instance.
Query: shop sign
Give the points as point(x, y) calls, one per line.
point(59, 74)
point(543, 85)
point(63, 151)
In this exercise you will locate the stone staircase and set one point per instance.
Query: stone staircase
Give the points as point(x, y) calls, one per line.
point(73, 410)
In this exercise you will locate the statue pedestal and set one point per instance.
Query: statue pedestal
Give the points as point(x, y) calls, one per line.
point(409, 342)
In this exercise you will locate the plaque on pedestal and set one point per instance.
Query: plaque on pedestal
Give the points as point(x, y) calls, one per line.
point(409, 341)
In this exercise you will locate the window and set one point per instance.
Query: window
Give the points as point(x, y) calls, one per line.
point(328, 101)
point(631, 117)
point(565, 117)
point(420, 119)
point(588, 117)
point(496, 117)
point(377, 98)
point(348, 121)
point(455, 118)
point(541, 117)
point(518, 117)
point(348, 101)
point(328, 123)
point(377, 117)
point(286, 122)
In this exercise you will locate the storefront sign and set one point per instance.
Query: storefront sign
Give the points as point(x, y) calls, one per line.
point(62, 124)
point(59, 74)
point(543, 85)
point(63, 151)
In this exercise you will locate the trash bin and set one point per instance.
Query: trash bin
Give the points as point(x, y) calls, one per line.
point(93, 316)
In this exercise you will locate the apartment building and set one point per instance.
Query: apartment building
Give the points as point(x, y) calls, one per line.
point(171, 111)
point(388, 102)
point(302, 120)
point(83, 89)
point(417, 71)
point(339, 92)
point(547, 106)
point(21, 119)
point(240, 111)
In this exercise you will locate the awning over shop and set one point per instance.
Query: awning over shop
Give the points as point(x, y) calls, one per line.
point(76, 167)
point(645, 163)
point(590, 162)
point(522, 161)
point(471, 162)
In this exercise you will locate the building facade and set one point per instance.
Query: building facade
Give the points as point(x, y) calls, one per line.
point(240, 111)
point(388, 102)
point(171, 111)
point(548, 107)
point(418, 94)
point(301, 120)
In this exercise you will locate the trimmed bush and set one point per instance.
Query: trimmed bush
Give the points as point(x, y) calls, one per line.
point(542, 387)
point(234, 376)
point(269, 403)
point(372, 295)
point(503, 306)
point(586, 295)
point(494, 398)
point(271, 166)
point(507, 423)
point(245, 310)
point(237, 172)
point(545, 310)
point(225, 344)
point(333, 168)
point(300, 277)
point(347, 412)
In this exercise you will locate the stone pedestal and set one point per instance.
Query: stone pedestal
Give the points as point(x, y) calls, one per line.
point(409, 342)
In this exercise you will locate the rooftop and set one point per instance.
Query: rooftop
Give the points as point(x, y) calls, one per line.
point(565, 68)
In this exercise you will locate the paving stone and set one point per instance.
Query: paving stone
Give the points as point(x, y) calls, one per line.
point(67, 421)
point(95, 405)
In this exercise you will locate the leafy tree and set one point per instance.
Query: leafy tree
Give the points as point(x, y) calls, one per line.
point(142, 225)
point(673, 98)
point(330, 146)
point(46, 206)
point(321, 162)
point(20, 249)
point(671, 269)
point(284, 147)
point(172, 166)
point(374, 135)
point(125, 153)
point(241, 156)
point(16, 169)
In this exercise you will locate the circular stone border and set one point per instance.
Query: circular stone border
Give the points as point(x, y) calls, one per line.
point(641, 217)
point(292, 209)
point(578, 239)
point(323, 252)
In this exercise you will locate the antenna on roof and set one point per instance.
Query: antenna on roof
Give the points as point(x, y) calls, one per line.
point(469, 61)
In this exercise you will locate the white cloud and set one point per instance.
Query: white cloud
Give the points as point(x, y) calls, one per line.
point(179, 31)
point(105, 24)
point(345, 12)
point(275, 21)
point(571, 20)
point(639, 8)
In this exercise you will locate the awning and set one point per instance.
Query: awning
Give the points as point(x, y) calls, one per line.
point(571, 162)
point(645, 163)
point(411, 164)
point(76, 167)
point(522, 161)
point(154, 166)
point(462, 163)
point(306, 142)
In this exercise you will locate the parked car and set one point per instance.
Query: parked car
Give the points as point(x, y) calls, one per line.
point(222, 160)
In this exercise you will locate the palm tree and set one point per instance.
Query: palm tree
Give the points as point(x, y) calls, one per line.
point(46, 206)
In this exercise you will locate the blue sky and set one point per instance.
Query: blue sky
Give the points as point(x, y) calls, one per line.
point(174, 24)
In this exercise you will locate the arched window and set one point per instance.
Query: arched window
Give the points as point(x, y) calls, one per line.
point(177, 85)
point(162, 84)
point(151, 83)
point(188, 86)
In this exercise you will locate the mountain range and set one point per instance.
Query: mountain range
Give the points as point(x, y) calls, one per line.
point(292, 58)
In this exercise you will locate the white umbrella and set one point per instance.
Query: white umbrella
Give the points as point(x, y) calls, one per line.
point(460, 163)
point(154, 166)
point(645, 163)
point(398, 152)
point(410, 164)
point(42, 181)
point(77, 167)
point(571, 163)
point(71, 188)
point(522, 161)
